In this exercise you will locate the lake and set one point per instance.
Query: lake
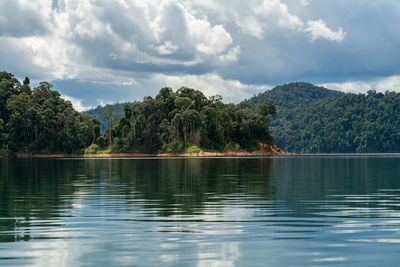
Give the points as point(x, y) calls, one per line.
point(278, 211)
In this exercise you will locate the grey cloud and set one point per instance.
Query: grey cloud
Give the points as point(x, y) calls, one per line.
point(142, 39)
point(16, 59)
point(370, 49)
point(171, 69)
point(20, 21)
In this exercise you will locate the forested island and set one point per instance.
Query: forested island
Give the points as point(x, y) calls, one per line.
point(301, 117)
point(39, 121)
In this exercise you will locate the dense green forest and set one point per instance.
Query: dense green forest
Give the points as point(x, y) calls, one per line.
point(39, 120)
point(307, 118)
point(323, 120)
point(315, 119)
point(293, 95)
point(173, 121)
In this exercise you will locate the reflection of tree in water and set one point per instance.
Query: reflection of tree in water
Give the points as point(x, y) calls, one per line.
point(46, 189)
point(31, 189)
point(299, 181)
point(42, 189)
point(37, 189)
point(182, 186)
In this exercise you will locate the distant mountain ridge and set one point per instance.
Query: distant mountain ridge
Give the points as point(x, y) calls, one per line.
point(316, 119)
point(293, 94)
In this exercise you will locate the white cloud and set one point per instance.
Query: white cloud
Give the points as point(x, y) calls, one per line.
point(212, 84)
point(101, 35)
point(255, 19)
point(179, 25)
point(318, 29)
point(278, 12)
point(132, 43)
point(77, 103)
point(24, 18)
point(104, 35)
point(391, 83)
point(304, 2)
point(260, 18)
point(98, 75)
point(167, 48)
point(231, 55)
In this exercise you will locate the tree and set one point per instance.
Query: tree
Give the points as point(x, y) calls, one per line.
point(266, 109)
point(27, 81)
point(111, 118)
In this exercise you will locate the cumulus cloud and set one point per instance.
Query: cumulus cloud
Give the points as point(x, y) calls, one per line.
point(257, 18)
point(261, 18)
point(277, 11)
point(212, 84)
point(304, 2)
point(167, 48)
point(231, 56)
point(176, 23)
point(148, 36)
point(77, 103)
point(21, 18)
point(318, 29)
point(234, 48)
point(391, 83)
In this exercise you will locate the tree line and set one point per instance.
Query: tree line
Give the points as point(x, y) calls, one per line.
point(38, 120)
point(172, 121)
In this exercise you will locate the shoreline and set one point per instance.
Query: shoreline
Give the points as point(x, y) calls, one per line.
point(148, 155)
point(161, 155)
point(264, 151)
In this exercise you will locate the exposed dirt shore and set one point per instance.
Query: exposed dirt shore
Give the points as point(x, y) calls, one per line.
point(266, 150)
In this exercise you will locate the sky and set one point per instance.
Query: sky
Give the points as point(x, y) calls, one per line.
point(100, 51)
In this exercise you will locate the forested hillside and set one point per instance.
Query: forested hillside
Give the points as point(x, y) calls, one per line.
point(293, 95)
point(333, 122)
point(99, 113)
point(350, 123)
point(39, 120)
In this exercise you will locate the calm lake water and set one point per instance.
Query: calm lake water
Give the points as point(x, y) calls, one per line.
point(284, 211)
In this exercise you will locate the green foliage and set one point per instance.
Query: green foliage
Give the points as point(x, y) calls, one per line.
point(98, 113)
point(188, 117)
point(39, 120)
point(194, 150)
point(175, 147)
point(233, 146)
point(293, 95)
point(332, 121)
point(101, 141)
point(92, 149)
point(3, 140)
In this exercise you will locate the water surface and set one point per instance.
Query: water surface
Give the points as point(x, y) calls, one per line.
point(286, 211)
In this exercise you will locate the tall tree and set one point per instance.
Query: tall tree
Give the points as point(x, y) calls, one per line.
point(111, 117)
